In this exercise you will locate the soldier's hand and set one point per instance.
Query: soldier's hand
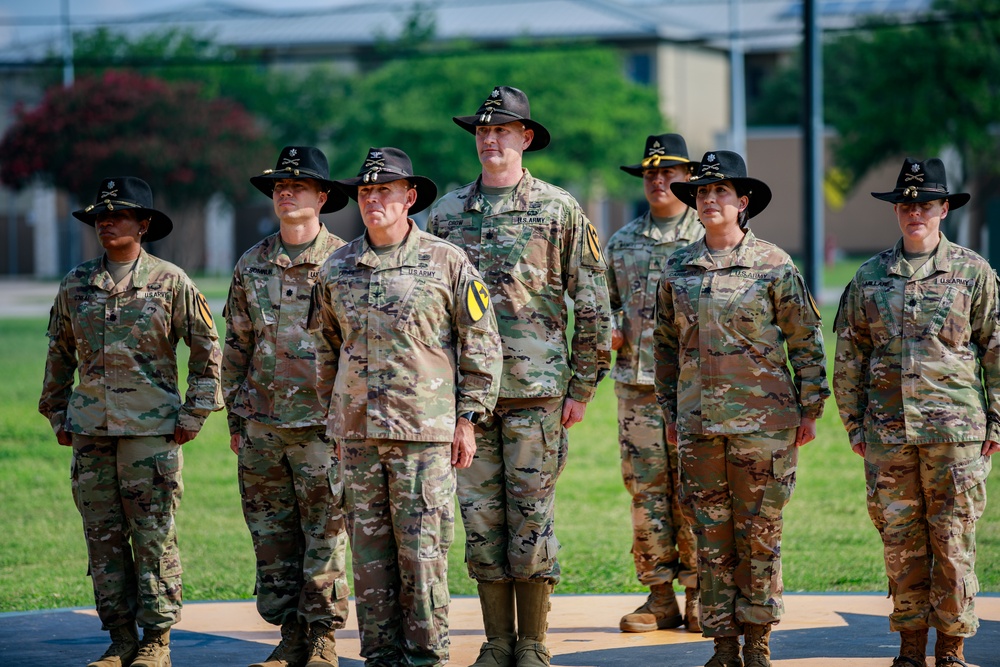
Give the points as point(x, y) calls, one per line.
point(573, 412)
point(617, 338)
point(182, 435)
point(234, 443)
point(990, 447)
point(672, 433)
point(64, 438)
point(806, 432)
point(463, 446)
point(859, 449)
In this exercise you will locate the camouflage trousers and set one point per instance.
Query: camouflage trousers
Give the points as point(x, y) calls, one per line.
point(292, 490)
point(733, 491)
point(400, 500)
point(925, 500)
point(663, 545)
point(507, 496)
point(127, 491)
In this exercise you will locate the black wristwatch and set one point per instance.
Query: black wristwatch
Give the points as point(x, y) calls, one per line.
point(473, 417)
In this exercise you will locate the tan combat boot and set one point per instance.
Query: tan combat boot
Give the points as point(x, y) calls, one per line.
point(659, 612)
point(757, 645)
point(124, 646)
point(912, 649)
point(532, 598)
point(321, 646)
point(497, 601)
point(727, 653)
point(292, 650)
point(692, 609)
point(154, 649)
point(949, 651)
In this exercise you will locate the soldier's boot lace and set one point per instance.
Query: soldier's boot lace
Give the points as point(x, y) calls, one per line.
point(322, 645)
point(124, 646)
point(727, 653)
point(757, 645)
point(532, 599)
point(497, 601)
point(949, 651)
point(292, 650)
point(692, 609)
point(912, 649)
point(659, 612)
point(154, 649)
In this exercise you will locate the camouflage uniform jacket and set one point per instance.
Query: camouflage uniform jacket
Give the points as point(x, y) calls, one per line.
point(723, 326)
point(914, 350)
point(637, 254)
point(532, 252)
point(275, 371)
point(416, 338)
point(124, 343)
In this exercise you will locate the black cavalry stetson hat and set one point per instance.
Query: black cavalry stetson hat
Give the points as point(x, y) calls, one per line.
point(662, 151)
point(724, 166)
point(127, 192)
point(923, 181)
point(506, 105)
point(385, 165)
point(302, 162)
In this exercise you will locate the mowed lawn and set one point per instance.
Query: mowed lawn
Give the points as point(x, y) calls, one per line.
point(829, 543)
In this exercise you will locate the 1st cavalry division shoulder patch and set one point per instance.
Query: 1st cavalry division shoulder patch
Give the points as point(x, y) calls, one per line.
point(593, 242)
point(477, 300)
point(204, 310)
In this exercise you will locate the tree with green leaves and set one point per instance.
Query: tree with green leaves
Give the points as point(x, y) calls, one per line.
point(185, 146)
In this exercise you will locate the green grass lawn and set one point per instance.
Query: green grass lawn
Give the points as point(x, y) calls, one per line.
point(829, 542)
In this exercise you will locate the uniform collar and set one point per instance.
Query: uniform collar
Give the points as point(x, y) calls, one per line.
point(742, 255)
point(520, 199)
point(100, 277)
point(651, 230)
point(314, 254)
point(939, 261)
point(406, 255)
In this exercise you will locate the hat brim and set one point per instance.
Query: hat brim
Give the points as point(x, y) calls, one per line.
point(956, 200)
point(756, 190)
point(538, 142)
point(426, 189)
point(637, 169)
point(159, 224)
point(335, 199)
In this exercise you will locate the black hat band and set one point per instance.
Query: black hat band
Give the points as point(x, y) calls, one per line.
point(713, 174)
point(295, 172)
point(109, 202)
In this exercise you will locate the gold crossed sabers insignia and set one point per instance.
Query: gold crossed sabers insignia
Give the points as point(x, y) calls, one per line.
point(487, 114)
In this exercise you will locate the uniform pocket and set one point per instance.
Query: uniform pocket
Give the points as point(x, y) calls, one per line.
point(779, 488)
point(167, 485)
point(436, 517)
point(534, 261)
point(969, 489)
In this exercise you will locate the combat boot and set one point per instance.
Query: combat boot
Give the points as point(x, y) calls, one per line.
point(727, 653)
point(292, 650)
point(532, 598)
point(322, 647)
point(949, 651)
point(912, 649)
point(124, 646)
point(497, 601)
point(659, 612)
point(757, 645)
point(154, 649)
point(692, 609)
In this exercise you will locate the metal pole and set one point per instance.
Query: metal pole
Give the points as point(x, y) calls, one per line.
point(812, 250)
point(737, 82)
point(67, 46)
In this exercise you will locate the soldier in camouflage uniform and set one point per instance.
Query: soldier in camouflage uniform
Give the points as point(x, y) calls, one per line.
point(662, 545)
point(917, 380)
point(276, 380)
point(534, 246)
point(116, 321)
point(733, 314)
point(419, 364)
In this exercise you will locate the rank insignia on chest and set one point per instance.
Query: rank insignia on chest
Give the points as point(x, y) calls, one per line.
point(477, 300)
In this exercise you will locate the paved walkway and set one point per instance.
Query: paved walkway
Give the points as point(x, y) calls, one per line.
point(826, 630)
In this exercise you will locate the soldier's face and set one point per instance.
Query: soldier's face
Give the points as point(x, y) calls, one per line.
point(920, 223)
point(297, 199)
point(719, 205)
point(120, 230)
point(656, 184)
point(501, 145)
point(385, 205)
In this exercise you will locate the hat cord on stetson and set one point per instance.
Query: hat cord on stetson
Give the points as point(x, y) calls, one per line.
point(109, 202)
point(655, 160)
point(295, 172)
point(711, 174)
